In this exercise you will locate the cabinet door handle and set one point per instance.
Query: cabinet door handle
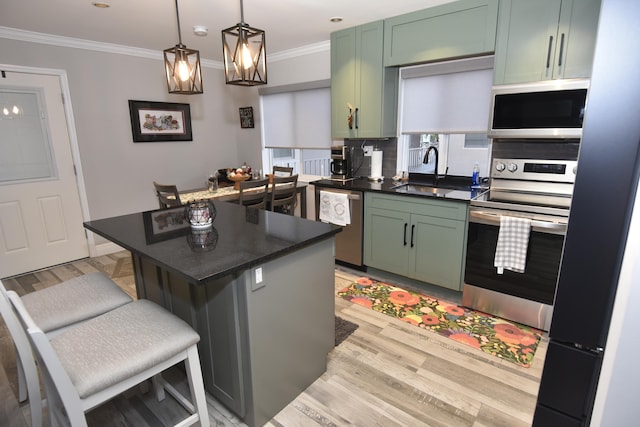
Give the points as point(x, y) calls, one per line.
point(549, 51)
point(412, 229)
point(561, 50)
point(405, 234)
point(356, 117)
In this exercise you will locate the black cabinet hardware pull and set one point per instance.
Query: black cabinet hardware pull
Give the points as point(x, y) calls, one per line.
point(356, 117)
point(561, 49)
point(549, 51)
point(405, 234)
point(412, 228)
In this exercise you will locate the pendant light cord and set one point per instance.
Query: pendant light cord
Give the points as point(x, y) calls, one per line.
point(178, 19)
point(241, 13)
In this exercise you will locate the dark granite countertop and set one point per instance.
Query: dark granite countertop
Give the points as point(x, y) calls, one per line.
point(243, 238)
point(454, 188)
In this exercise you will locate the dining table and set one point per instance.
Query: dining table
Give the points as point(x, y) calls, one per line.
point(226, 192)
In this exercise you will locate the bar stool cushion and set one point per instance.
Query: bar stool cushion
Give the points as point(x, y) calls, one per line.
point(117, 345)
point(74, 301)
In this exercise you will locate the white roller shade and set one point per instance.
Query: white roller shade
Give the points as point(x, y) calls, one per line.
point(455, 102)
point(298, 119)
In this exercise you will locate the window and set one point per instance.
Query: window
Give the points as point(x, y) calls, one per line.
point(25, 148)
point(297, 127)
point(445, 105)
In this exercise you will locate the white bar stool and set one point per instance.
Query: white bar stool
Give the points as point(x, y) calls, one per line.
point(54, 310)
point(104, 356)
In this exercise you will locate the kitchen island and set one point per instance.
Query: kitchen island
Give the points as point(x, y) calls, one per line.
point(259, 288)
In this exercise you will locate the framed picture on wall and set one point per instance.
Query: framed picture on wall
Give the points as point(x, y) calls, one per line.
point(160, 121)
point(246, 117)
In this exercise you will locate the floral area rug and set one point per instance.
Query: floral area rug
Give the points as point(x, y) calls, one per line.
point(506, 340)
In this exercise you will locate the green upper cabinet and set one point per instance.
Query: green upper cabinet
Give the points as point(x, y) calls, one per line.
point(361, 88)
point(462, 28)
point(545, 40)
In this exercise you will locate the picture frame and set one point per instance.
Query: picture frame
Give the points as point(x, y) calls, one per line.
point(165, 224)
point(160, 121)
point(246, 117)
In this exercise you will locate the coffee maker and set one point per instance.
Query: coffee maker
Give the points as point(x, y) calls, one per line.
point(341, 162)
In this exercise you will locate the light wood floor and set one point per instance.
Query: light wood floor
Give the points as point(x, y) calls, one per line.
point(387, 373)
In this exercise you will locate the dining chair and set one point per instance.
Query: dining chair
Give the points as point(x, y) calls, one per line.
point(55, 309)
point(283, 194)
point(282, 171)
point(168, 195)
point(254, 194)
point(103, 357)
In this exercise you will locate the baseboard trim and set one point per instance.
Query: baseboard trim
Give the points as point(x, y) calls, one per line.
point(105, 249)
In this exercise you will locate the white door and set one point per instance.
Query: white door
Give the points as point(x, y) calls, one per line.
point(40, 211)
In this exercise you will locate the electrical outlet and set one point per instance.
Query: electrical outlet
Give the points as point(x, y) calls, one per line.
point(368, 151)
point(259, 282)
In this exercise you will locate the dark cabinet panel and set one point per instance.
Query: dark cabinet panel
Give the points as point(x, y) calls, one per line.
point(569, 382)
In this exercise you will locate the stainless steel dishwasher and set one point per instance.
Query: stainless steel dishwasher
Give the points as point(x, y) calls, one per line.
point(349, 240)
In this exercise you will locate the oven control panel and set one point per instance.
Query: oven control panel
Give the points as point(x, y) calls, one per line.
point(535, 170)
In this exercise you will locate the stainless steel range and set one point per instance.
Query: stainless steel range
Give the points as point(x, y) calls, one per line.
point(536, 182)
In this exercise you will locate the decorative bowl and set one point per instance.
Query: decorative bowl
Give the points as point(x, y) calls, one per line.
point(237, 179)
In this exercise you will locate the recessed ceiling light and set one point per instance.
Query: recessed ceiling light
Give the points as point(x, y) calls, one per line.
point(101, 5)
point(336, 19)
point(200, 30)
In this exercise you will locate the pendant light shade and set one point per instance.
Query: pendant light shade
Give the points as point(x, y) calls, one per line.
point(182, 67)
point(245, 56)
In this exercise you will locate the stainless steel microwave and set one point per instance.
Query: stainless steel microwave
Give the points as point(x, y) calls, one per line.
point(547, 109)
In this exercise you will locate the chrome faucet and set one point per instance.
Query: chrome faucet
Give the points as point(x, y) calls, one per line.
point(435, 168)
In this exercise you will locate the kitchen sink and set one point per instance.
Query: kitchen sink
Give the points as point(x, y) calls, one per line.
point(426, 190)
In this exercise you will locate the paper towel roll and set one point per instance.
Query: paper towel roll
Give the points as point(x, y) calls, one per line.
point(376, 164)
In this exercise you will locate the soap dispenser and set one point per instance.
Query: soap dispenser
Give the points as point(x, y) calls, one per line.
point(475, 175)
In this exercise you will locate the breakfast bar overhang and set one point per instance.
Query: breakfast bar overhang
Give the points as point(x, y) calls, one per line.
point(258, 286)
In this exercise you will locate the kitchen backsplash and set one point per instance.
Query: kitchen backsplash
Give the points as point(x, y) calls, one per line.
point(389, 149)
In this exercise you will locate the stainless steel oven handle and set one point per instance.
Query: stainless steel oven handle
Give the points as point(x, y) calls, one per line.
point(536, 225)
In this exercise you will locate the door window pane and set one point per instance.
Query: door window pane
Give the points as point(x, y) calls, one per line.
point(25, 150)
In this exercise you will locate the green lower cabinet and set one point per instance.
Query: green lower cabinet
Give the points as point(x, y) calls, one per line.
point(437, 255)
point(386, 240)
point(419, 239)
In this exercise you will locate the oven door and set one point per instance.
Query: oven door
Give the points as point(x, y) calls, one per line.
point(538, 282)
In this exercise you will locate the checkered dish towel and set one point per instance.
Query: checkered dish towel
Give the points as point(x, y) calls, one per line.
point(513, 240)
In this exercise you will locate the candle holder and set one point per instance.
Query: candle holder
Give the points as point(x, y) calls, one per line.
point(200, 214)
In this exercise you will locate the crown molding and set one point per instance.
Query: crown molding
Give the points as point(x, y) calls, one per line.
point(300, 51)
point(42, 38)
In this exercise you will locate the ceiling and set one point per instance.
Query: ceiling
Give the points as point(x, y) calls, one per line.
point(151, 24)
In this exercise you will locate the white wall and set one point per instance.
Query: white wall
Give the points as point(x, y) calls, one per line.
point(306, 67)
point(118, 173)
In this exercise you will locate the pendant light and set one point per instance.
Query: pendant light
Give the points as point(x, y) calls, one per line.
point(182, 66)
point(245, 57)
